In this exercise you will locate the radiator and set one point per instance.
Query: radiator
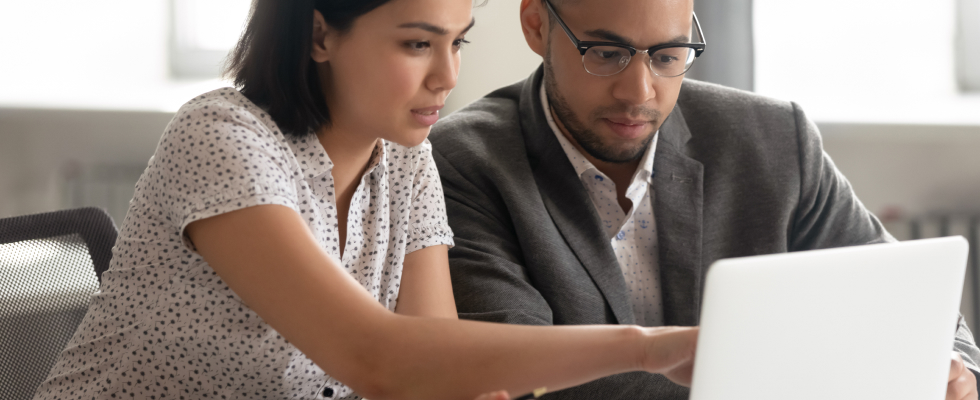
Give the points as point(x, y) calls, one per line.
point(108, 186)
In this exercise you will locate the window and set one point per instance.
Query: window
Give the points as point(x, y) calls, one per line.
point(866, 61)
point(202, 34)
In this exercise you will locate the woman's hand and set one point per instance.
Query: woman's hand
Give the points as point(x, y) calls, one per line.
point(669, 351)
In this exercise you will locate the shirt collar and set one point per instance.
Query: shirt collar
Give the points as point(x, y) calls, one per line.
point(314, 161)
point(581, 164)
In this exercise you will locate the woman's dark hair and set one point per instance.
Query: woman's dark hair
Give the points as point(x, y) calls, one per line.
point(271, 64)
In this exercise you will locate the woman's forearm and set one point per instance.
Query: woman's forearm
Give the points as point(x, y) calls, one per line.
point(426, 358)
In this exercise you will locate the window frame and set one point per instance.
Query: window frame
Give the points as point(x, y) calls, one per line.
point(968, 46)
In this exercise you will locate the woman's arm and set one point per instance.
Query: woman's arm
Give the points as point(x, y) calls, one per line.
point(267, 255)
point(425, 289)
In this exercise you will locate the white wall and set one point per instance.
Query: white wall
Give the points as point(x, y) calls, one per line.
point(909, 169)
point(42, 149)
point(497, 55)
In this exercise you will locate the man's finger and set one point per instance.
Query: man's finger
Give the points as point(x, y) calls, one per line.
point(499, 395)
point(956, 366)
point(970, 383)
point(961, 388)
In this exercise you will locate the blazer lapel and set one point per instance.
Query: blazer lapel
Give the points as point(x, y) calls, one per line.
point(678, 198)
point(568, 203)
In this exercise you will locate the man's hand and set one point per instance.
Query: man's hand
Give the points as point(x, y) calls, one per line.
point(962, 384)
point(499, 395)
point(670, 352)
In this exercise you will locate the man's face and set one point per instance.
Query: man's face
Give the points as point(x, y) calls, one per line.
point(613, 118)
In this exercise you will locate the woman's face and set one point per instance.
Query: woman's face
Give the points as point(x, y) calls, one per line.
point(391, 73)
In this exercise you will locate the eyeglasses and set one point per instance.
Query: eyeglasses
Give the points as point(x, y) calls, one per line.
point(610, 58)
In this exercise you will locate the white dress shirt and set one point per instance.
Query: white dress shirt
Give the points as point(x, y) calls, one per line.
point(633, 234)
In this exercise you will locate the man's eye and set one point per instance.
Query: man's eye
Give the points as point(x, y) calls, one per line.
point(665, 59)
point(606, 53)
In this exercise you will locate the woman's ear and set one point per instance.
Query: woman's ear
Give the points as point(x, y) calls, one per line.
point(320, 50)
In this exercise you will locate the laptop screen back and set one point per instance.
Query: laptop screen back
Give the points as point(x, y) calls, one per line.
point(865, 322)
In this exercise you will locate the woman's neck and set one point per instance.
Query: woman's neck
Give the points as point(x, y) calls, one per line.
point(350, 153)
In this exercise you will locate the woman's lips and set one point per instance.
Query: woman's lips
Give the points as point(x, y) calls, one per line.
point(427, 116)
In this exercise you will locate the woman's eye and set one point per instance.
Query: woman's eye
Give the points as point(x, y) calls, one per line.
point(460, 42)
point(418, 46)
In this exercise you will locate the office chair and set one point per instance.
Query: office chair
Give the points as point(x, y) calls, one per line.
point(50, 264)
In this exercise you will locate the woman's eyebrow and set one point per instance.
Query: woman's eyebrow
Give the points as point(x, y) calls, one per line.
point(438, 30)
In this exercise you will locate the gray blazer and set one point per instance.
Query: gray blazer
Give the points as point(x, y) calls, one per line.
point(736, 174)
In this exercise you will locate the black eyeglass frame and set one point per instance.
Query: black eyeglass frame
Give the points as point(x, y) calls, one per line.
point(584, 46)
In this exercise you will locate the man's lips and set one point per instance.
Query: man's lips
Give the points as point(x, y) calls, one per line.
point(628, 121)
point(627, 128)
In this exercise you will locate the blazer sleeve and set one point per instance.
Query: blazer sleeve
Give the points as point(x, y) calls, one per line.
point(830, 215)
point(486, 265)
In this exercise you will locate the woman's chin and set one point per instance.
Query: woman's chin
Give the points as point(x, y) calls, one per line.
point(411, 137)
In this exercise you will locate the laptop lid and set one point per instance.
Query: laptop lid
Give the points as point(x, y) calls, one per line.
point(863, 322)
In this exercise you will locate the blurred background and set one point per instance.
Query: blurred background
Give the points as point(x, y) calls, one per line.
point(86, 89)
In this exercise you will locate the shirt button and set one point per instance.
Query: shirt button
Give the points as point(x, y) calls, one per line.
point(327, 392)
point(621, 235)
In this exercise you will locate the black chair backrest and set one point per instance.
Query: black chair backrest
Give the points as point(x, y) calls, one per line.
point(50, 265)
point(94, 225)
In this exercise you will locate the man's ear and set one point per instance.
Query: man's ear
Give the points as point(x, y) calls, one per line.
point(534, 23)
point(320, 50)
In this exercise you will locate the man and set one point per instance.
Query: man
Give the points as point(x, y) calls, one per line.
point(600, 189)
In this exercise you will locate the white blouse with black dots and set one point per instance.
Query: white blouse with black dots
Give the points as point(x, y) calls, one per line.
point(164, 326)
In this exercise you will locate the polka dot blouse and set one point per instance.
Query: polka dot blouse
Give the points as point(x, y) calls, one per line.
point(165, 326)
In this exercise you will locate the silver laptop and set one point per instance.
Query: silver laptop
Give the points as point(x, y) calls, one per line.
point(864, 322)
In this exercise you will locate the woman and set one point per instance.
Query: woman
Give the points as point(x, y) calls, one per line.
point(290, 239)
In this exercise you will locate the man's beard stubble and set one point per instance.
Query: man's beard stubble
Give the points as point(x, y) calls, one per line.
point(590, 141)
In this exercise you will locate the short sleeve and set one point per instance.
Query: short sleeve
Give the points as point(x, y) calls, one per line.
point(215, 157)
point(428, 225)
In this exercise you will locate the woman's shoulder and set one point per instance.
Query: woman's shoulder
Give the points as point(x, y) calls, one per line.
point(221, 118)
point(227, 98)
point(225, 106)
point(219, 147)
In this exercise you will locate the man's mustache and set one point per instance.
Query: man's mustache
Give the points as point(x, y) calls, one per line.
point(637, 113)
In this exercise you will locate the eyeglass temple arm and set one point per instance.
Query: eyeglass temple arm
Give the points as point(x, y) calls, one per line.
point(561, 23)
point(697, 25)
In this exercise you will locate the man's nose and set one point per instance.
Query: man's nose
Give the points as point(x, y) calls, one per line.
point(634, 85)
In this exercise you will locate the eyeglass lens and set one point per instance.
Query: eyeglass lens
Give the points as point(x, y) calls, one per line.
point(609, 60)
